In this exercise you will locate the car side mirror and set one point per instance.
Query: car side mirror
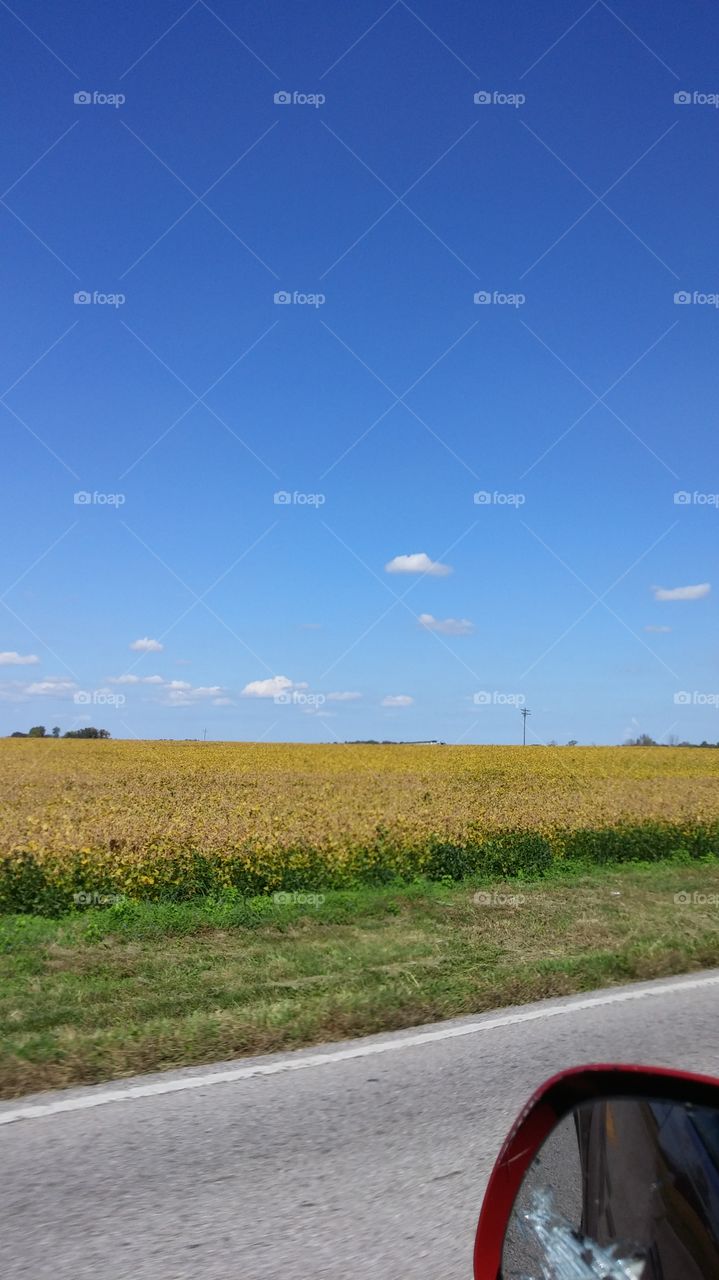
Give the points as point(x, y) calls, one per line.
point(610, 1173)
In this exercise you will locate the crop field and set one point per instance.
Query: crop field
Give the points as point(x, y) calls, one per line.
point(175, 820)
point(169, 903)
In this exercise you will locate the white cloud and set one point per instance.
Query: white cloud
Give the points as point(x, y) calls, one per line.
point(397, 700)
point(52, 685)
point(419, 562)
point(12, 691)
point(222, 702)
point(177, 693)
point(128, 678)
point(146, 645)
point(446, 627)
point(682, 593)
point(12, 659)
point(271, 688)
point(343, 697)
point(180, 693)
point(653, 628)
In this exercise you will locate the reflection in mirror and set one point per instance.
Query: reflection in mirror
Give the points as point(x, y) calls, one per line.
point(622, 1189)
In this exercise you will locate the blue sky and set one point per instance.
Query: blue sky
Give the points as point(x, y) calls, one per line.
point(381, 198)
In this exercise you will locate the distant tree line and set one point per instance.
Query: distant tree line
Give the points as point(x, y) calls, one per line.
point(393, 742)
point(644, 740)
point(38, 731)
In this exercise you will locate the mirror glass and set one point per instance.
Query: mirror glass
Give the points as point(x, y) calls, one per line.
point(622, 1189)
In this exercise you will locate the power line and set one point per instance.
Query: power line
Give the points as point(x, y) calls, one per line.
point(524, 712)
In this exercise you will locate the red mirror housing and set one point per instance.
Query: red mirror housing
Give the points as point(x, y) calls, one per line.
point(554, 1100)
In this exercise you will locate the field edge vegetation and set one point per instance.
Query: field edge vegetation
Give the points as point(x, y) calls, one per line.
point(147, 986)
point(52, 885)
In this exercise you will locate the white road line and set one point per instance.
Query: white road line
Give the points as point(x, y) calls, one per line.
point(302, 1062)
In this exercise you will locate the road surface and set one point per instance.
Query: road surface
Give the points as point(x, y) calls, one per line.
point(362, 1159)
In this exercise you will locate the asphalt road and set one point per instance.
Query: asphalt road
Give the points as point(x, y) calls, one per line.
point(363, 1159)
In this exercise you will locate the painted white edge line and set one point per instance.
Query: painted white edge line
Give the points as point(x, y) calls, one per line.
point(305, 1061)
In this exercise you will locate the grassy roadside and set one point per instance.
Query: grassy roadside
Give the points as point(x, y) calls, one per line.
point(145, 986)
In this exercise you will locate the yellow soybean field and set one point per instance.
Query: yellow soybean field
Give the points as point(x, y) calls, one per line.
point(177, 819)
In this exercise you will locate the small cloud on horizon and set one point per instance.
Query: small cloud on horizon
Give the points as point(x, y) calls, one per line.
point(51, 684)
point(418, 562)
point(651, 627)
point(181, 694)
point(272, 687)
point(12, 659)
point(446, 626)
point(146, 645)
point(682, 593)
point(397, 700)
point(343, 696)
point(128, 678)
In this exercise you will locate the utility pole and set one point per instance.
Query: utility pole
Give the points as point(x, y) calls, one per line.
point(524, 713)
